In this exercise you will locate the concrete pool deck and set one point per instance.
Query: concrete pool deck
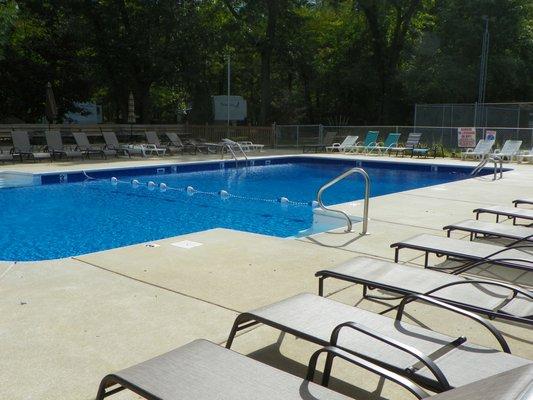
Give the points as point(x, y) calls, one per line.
point(66, 323)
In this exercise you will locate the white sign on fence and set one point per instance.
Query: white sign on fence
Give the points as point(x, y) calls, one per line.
point(490, 135)
point(466, 137)
point(237, 108)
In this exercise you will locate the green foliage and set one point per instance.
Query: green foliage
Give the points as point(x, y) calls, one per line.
point(295, 61)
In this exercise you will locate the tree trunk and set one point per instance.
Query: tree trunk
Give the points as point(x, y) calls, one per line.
point(266, 94)
point(266, 49)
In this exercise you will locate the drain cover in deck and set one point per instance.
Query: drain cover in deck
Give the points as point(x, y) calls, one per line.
point(186, 244)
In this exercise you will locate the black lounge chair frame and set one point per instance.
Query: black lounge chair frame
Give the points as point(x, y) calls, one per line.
point(114, 383)
point(371, 285)
point(438, 384)
point(475, 232)
point(501, 213)
point(522, 201)
point(471, 261)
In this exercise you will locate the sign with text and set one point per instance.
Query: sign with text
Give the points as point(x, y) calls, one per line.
point(236, 106)
point(466, 137)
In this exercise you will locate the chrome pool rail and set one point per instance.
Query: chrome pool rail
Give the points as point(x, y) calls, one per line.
point(332, 182)
point(229, 147)
point(496, 159)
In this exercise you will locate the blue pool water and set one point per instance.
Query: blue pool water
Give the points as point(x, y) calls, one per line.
point(59, 220)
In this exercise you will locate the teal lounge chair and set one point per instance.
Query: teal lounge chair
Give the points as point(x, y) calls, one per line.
point(390, 144)
point(370, 142)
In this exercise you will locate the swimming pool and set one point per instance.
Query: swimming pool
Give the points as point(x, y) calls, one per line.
point(82, 212)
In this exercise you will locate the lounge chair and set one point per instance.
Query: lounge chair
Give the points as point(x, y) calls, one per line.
point(175, 141)
point(203, 146)
point(412, 146)
point(482, 150)
point(371, 140)
point(523, 201)
point(22, 147)
point(327, 141)
point(389, 145)
point(112, 144)
point(525, 156)
point(154, 145)
point(202, 370)
point(509, 212)
point(5, 156)
point(345, 146)
point(489, 298)
point(433, 360)
point(474, 253)
point(515, 384)
point(476, 227)
point(82, 142)
point(509, 151)
point(56, 148)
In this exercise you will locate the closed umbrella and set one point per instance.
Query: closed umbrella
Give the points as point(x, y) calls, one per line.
point(131, 109)
point(51, 107)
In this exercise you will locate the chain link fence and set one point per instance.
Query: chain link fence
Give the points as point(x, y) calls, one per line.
point(447, 137)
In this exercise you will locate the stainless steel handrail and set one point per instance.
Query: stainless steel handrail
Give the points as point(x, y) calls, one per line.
point(332, 182)
point(229, 146)
point(491, 157)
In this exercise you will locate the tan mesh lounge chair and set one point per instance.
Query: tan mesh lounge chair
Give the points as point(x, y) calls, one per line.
point(328, 139)
point(516, 384)
point(509, 212)
point(476, 227)
point(490, 298)
point(5, 156)
point(83, 144)
point(175, 141)
point(22, 147)
point(433, 360)
point(56, 148)
point(474, 253)
point(201, 370)
point(412, 146)
point(517, 202)
point(154, 145)
point(112, 144)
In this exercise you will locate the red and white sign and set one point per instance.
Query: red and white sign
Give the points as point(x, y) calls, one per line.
point(466, 137)
point(490, 135)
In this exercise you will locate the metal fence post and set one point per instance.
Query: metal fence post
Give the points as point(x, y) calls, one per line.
point(320, 133)
point(297, 136)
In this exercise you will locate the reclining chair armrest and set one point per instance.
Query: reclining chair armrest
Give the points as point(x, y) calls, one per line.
point(424, 359)
point(412, 297)
point(333, 352)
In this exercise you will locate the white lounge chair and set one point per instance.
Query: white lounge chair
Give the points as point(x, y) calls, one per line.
point(510, 150)
point(249, 146)
point(525, 156)
point(481, 150)
point(154, 145)
point(347, 144)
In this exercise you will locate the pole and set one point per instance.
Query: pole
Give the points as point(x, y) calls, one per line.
point(229, 89)
point(483, 68)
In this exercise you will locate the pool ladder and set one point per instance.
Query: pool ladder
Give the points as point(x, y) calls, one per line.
point(229, 148)
point(498, 166)
point(339, 178)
